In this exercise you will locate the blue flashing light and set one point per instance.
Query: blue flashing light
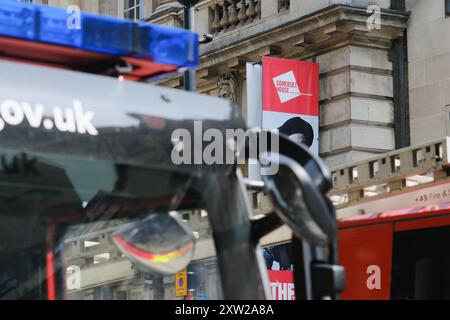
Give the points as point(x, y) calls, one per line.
point(85, 31)
point(100, 34)
point(59, 27)
point(17, 20)
point(107, 35)
point(168, 45)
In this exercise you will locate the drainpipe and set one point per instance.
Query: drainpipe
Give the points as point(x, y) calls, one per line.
point(399, 59)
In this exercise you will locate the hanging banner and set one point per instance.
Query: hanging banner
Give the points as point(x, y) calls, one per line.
point(290, 99)
point(282, 285)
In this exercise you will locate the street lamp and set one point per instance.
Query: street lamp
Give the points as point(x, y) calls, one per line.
point(189, 15)
point(189, 75)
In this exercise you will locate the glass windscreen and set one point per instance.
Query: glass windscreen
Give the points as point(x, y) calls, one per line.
point(58, 217)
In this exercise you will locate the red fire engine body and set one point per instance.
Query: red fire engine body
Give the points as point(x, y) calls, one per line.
point(389, 255)
point(395, 227)
point(393, 215)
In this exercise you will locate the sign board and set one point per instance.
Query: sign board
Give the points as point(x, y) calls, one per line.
point(290, 99)
point(181, 284)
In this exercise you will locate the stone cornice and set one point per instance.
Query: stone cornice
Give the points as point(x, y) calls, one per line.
point(297, 38)
point(281, 31)
point(162, 14)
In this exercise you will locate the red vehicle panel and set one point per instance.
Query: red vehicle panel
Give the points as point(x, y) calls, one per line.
point(366, 254)
point(426, 223)
point(369, 245)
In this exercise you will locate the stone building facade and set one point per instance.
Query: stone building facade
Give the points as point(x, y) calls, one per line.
point(357, 87)
point(429, 69)
point(358, 101)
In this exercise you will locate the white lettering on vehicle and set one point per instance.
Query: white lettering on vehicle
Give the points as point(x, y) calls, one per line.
point(72, 120)
point(374, 280)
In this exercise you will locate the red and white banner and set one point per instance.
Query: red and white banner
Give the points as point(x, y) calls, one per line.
point(290, 100)
point(282, 285)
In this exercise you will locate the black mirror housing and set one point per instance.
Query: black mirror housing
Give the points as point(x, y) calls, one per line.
point(298, 201)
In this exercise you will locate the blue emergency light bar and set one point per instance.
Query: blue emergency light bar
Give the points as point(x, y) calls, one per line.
point(99, 34)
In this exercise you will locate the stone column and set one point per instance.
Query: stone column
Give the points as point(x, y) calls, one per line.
point(91, 6)
point(167, 4)
point(167, 13)
point(108, 7)
point(356, 104)
point(64, 3)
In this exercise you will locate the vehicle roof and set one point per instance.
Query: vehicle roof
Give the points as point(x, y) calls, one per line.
point(135, 121)
point(396, 215)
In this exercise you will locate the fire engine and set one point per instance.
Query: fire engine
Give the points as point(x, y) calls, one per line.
point(394, 223)
point(393, 215)
point(92, 205)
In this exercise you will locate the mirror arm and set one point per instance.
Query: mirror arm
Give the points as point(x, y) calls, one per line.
point(334, 257)
point(263, 226)
point(301, 256)
point(300, 153)
point(327, 280)
point(314, 278)
point(254, 185)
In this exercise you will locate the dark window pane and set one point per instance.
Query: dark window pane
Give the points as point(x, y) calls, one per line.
point(129, 4)
point(129, 14)
point(137, 16)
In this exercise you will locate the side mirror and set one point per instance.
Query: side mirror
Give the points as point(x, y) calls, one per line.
point(161, 242)
point(298, 201)
point(315, 167)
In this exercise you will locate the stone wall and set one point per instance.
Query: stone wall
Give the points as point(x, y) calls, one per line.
point(356, 83)
point(356, 108)
point(429, 70)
